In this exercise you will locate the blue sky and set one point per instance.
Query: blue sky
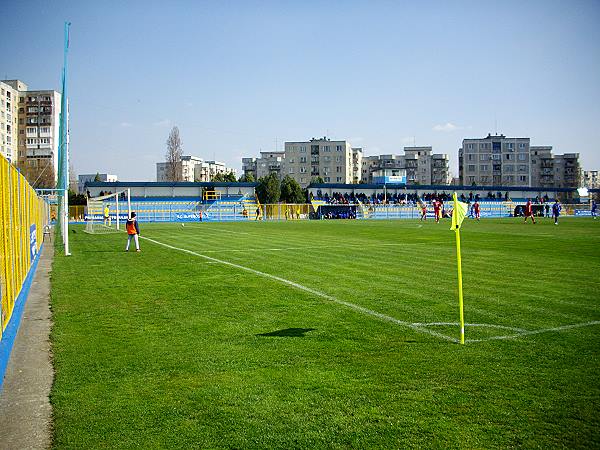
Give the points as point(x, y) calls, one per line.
point(240, 77)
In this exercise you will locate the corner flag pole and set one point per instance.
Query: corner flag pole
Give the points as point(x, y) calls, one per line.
point(460, 289)
point(458, 215)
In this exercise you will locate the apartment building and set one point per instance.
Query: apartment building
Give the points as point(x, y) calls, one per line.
point(104, 177)
point(193, 168)
point(590, 179)
point(420, 165)
point(8, 122)
point(500, 161)
point(495, 161)
point(333, 161)
point(549, 170)
point(37, 114)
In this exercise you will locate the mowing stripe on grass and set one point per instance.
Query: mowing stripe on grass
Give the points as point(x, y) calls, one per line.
point(358, 308)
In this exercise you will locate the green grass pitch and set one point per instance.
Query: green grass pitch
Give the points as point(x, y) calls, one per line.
point(331, 334)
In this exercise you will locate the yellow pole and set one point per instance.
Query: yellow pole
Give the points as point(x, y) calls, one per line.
point(460, 290)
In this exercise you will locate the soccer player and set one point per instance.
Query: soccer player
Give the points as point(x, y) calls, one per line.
point(423, 211)
point(133, 230)
point(529, 211)
point(594, 208)
point(106, 216)
point(436, 210)
point(476, 210)
point(556, 211)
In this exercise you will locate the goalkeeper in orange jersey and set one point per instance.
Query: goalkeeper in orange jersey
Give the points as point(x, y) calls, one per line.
point(133, 230)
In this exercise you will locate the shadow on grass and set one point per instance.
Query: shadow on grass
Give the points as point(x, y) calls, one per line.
point(288, 332)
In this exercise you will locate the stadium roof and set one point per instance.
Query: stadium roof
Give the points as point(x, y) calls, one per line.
point(129, 184)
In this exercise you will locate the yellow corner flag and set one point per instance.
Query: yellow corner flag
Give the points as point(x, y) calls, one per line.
point(458, 215)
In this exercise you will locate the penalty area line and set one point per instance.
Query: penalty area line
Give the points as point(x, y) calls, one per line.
point(352, 306)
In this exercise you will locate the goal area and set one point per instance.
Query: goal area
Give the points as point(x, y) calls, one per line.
point(108, 213)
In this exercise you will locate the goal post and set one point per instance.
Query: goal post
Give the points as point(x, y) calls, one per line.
point(106, 214)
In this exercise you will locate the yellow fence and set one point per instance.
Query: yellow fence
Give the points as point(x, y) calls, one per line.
point(23, 216)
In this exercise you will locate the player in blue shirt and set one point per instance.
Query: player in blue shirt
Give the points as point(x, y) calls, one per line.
point(594, 209)
point(556, 211)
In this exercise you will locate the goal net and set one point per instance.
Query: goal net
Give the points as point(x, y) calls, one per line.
point(107, 214)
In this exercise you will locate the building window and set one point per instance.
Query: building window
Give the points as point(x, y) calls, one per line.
point(338, 169)
point(339, 148)
point(339, 179)
point(303, 149)
point(509, 168)
point(326, 179)
point(470, 158)
point(326, 148)
point(522, 168)
point(484, 157)
point(522, 157)
point(523, 178)
point(522, 146)
point(484, 167)
point(291, 170)
point(302, 169)
point(509, 157)
point(471, 168)
point(303, 159)
point(496, 157)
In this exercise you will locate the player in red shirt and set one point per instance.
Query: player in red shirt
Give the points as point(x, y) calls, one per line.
point(476, 210)
point(529, 211)
point(436, 210)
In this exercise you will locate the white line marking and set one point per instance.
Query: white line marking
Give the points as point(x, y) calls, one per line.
point(311, 291)
point(456, 324)
point(544, 330)
point(307, 247)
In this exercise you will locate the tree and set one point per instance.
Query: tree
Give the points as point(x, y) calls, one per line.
point(230, 178)
point(38, 173)
point(268, 189)
point(218, 177)
point(291, 192)
point(247, 178)
point(173, 156)
point(97, 177)
point(316, 180)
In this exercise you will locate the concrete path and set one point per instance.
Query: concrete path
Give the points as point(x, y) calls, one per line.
point(25, 412)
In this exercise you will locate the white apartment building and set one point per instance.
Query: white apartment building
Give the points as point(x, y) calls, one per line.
point(500, 161)
point(192, 169)
point(8, 122)
point(35, 138)
point(419, 165)
point(590, 179)
point(495, 161)
point(334, 161)
point(104, 177)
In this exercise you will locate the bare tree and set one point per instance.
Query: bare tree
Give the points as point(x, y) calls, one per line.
point(173, 156)
point(39, 173)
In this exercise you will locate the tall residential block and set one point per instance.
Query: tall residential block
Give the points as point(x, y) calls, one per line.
point(192, 168)
point(36, 114)
point(497, 160)
point(333, 161)
point(590, 179)
point(420, 165)
point(8, 121)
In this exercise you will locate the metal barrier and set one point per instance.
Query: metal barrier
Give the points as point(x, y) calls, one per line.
point(23, 217)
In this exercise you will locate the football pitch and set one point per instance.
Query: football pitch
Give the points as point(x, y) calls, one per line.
point(329, 334)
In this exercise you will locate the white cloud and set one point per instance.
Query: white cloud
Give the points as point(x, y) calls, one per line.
point(446, 127)
point(163, 123)
point(126, 125)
